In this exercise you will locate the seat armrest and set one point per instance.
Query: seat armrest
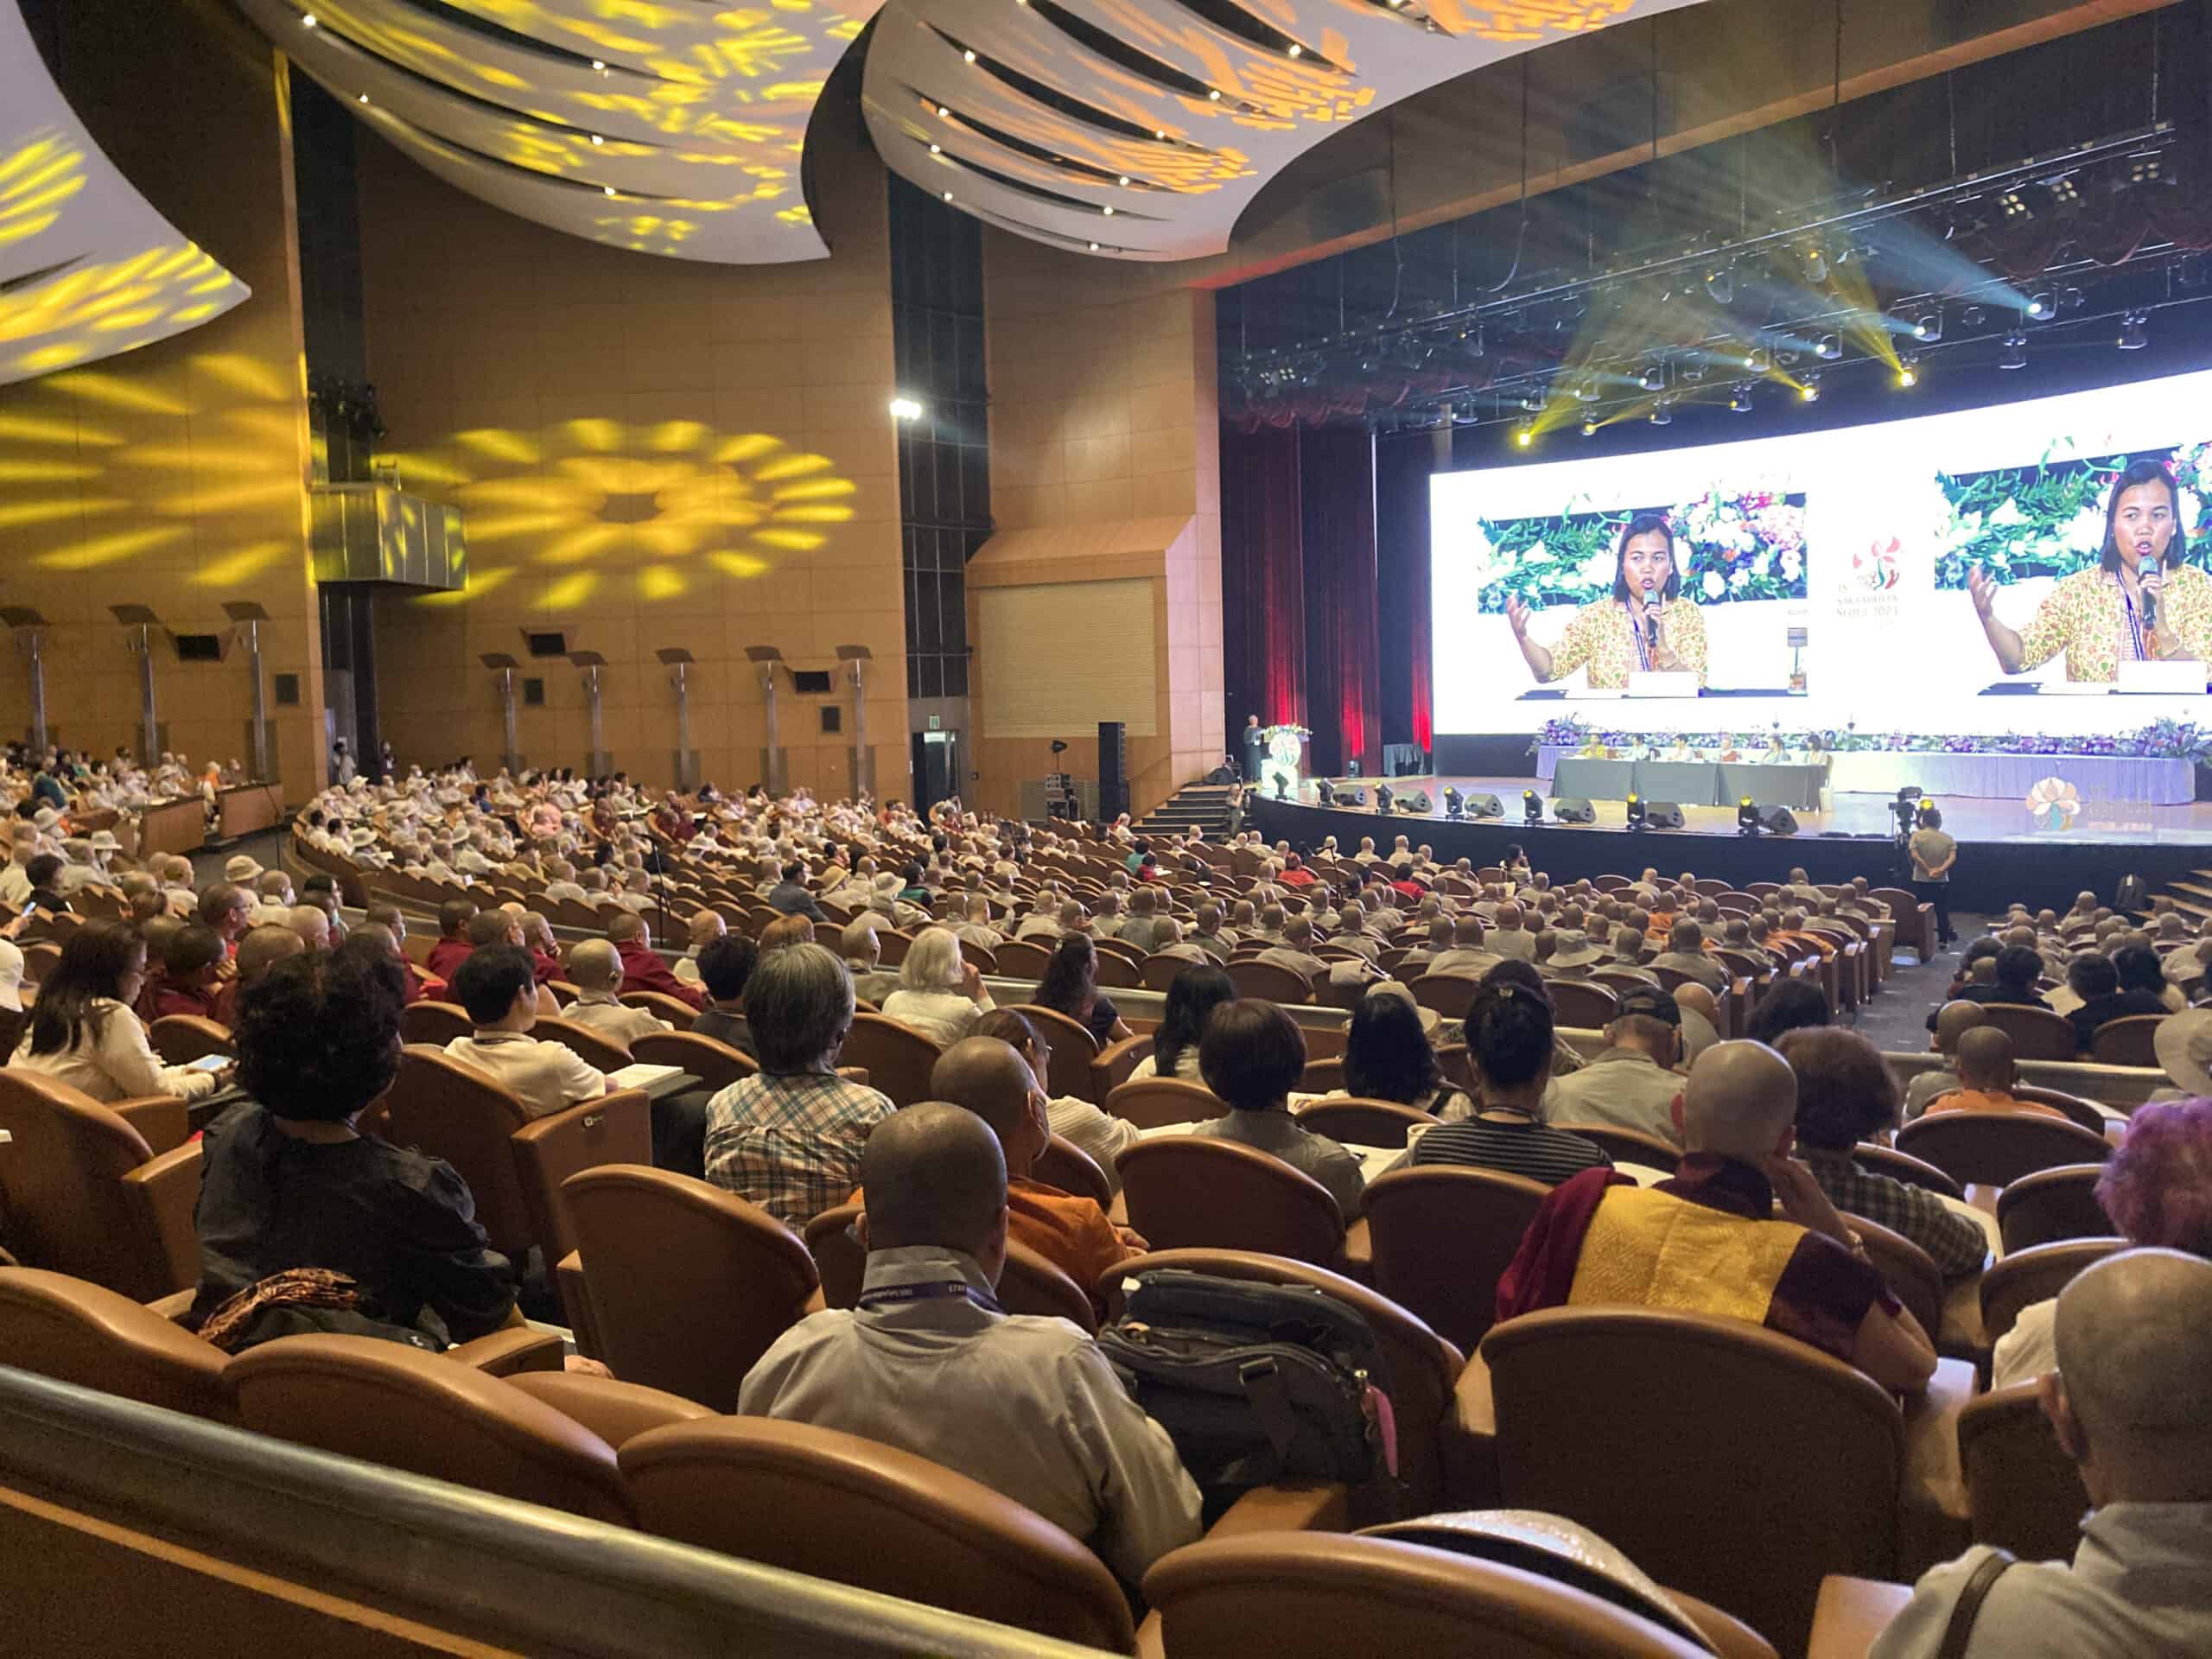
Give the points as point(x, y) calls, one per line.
point(1932, 1515)
point(1470, 1436)
point(175, 1305)
point(616, 1412)
point(1850, 1613)
point(518, 1348)
point(1289, 1506)
point(575, 1302)
point(1730, 1637)
point(163, 1121)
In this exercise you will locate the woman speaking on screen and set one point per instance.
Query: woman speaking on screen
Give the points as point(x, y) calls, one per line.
point(2141, 604)
point(1647, 626)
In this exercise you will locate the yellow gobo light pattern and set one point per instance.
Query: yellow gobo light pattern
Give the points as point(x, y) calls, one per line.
point(87, 269)
point(589, 504)
point(672, 128)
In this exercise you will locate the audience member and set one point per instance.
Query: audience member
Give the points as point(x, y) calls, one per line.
point(189, 962)
point(939, 994)
point(643, 971)
point(1685, 954)
point(83, 1031)
point(789, 930)
point(1097, 1134)
point(1632, 1085)
point(858, 945)
point(304, 1223)
point(262, 948)
point(725, 966)
point(1601, 1239)
point(1986, 1078)
point(788, 1138)
point(452, 947)
point(1192, 994)
point(595, 970)
point(2095, 980)
point(1387, 1057)
point(495, 985)
point(2131, 1403)
point(1846, 1094)
point(1788, 1005)
point(943, 1373)
point(1252, 1056)
point(1509, 1044)
point(1071, 987)
point(1953, 1020)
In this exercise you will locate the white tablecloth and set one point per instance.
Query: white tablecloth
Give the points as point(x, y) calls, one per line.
point(2002, 777)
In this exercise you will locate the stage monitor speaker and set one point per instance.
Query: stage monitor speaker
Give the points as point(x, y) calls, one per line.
point(1568, 809)
point(1778, 821)
point(1416, 801)
point(1350, 796)
point(1113, 769)
point(1664, 814)
point(1486, 806)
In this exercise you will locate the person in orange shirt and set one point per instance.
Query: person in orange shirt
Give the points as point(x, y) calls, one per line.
point(1985, 1073)
point(987, 1077)
point(1793, 927)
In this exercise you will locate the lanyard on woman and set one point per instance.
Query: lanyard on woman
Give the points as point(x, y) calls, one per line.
point(2134, 620)
point(1635, 632)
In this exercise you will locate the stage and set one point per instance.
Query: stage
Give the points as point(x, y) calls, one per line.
point(2003, 854)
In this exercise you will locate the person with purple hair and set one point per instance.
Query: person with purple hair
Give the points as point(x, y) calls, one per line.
point(2157, 1189)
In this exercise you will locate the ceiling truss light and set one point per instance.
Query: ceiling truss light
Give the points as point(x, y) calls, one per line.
point(1815, 262)
point(2042, 305)
point(1909, 372)
point(2015, 354)
point(1740, 400)
point(1662, 413)
point(1653, 378)
point(905, 409)
point(1829, 348)
point(1524, 435)
point(1758, 359)
point(1927, 325)
point(1590, 429)
point(2134, 332)
point(1721, 284)
point(1808, 389)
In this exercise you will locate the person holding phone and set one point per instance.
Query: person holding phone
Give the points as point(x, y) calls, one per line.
point(82, 1031)
point(1646, 626)
point(2141, 604)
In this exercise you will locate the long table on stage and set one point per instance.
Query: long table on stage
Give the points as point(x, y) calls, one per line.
point(2152, 779)
point(1692, 783)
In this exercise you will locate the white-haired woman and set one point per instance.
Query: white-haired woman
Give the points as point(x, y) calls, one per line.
point(940, 994)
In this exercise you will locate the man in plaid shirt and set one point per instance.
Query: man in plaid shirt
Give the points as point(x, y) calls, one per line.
point(1846, 1094)
point(789, 1139)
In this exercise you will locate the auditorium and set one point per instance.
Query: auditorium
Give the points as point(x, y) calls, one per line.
point(1180, 827)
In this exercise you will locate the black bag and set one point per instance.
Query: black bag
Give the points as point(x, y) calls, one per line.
point(1253, 1382)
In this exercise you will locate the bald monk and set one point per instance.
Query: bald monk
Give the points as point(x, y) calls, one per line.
point(1987, 1074)
point(595, 968)
point(1701, 1012)
point(644, 971)
point(1599, 1240)
point(1952, 1021)
point(2131, 1403)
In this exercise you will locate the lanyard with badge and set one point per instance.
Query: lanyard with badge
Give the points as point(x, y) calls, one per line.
point(886, 1296)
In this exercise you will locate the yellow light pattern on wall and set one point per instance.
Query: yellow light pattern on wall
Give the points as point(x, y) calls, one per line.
point(585, 506)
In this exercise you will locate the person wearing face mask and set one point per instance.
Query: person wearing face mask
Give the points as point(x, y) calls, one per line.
point(1646, 626)
point(2140, 604)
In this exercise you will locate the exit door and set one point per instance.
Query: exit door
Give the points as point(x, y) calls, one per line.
point(936, 768)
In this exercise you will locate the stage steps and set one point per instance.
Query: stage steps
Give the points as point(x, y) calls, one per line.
point(1193, 806)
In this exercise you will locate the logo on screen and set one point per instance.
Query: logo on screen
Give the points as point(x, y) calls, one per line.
point(1876, 569)
point(2052, 803)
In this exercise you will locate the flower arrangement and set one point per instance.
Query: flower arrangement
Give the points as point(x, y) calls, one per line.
point(2162, 740)
point(2047, 519)
point(1731, 545)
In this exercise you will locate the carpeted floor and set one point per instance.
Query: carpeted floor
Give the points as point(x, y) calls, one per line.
point(1896, 1020)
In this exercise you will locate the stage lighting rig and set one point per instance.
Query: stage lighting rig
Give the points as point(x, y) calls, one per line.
point(2015, 353)
point(1636, 819)
point(1747, 817)
point(1532, 806)
point(1455, 804)
point(1325, 792)
point(2134, 332)
point(1385, 797)
point(1740, 400)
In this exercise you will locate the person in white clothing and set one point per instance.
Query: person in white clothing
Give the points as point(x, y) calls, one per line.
point(2131, 1403)
point(82, 1031)
point(939, 994)
point(595, 968)
point(499, 989)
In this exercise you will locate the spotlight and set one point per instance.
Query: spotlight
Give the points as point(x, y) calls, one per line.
point(1124, 180)
point(1532, 806)
point(600, 66)
point(2042, 305)
point(608, 188)
point(1455, 804)
point(1662, 413)
point(1974, 316)
point(2014, 205)
point(1758, 359)
point(969, 56)
point(1108, 210)
point(1928, 326)
point(1747, 817)
point(1909, 372)
point(1721, 284)
point(943, 113)
point(1653, 378)
point(1740, 400)
point(946, 195)
point(936, 149)
point(307, 20)
point(1585, 391)
point(1829, 348)
point(1815, 262)
point(2134, 332)
point(596, 141)
point(1636, 819)
point(1590, 429)
point(1471, 342)
point(1094, 247)
point(1296, 50)
point(1213, 93)
point(2015, 354)
point(363, 99)
point(905, 409)
point(1533, 401)
point(1809, 391)
point(1524, 435)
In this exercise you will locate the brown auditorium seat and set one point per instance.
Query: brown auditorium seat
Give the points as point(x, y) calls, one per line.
point(1322, 1076)
point(1068, 1166)
point(1115, 971)
point(1030, 1284)
point(1159, 971)
point(892, 946)
point(1197, 1190)
point(588, 1046)
point(62, 1203)
point(1153, 1102)
point(2036, 1275)
point(1912, 1272)
point(1582, 1005)
point(617, 1412)
point(1423, 1365)
point(387, 1403)
point(1357, 1122)
point(837, 1507)
point(689, 1285)
point(714, 1064)
point(1441, 1235)
point(2125, 1041)
point(672, 1009)
point(1997, 1148)
point(78, 1333)
point(181, 1038)
point(162, 1195)
point(615, 1129)
point(1453, 1061)
point(41, 957)
point(434, 1023)
point(1019, 959)
point(1694, 1500)
point(1915, 920)
point(1628, 1145)
point(1449, 994)
point(1114, 1062)
point(898, 1058)
point(1878, 1159)
point(1270, 983)
point(2087, 1113)
point(2024, 1493)
point(2036, 1033)
point(2052, 1205)
point(1296, 1595)
point(839, 1258)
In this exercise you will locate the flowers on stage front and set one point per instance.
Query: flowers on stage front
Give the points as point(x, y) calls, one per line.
point(1730, 545)
point(2162, 740)
point(2052, 803)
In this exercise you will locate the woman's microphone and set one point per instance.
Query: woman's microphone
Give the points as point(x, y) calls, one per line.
point(2152, 581)
point(1650, 610)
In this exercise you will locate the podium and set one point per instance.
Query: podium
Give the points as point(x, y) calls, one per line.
point(1653, 684)
point(2181, 676)
point(1285, 760)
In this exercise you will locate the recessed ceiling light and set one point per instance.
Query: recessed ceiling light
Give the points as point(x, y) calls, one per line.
point(599, 65)
point(1108, 210)
point(936, 149)
point(1094, 246)
point(1214, 94)
point(1159, 132)
point(948, 195)
point(1296, 50)
point(596, 139)
point(969, 54)
point(608, 188)
point(308, 20)
point(942, 113)
point(363, 99)
point(1125, 178)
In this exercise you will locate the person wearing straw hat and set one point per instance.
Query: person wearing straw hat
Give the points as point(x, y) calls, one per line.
point(2183, 1043)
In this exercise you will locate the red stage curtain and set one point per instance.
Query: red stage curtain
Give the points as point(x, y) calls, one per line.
point(1337, 491)
point(1403, 466)
point(1262, 578)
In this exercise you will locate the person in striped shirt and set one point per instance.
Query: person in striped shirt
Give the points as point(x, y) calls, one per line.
point(1509, 1036)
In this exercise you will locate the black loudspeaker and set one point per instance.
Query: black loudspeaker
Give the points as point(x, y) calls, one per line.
point(1350, 796)
point(1568, 810)
point(1778, 821)
point(1113, 769)
point(1486, 806)
point(1416, 801)
point(1663, 815)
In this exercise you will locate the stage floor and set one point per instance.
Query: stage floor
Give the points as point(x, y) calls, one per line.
point(2099, 823)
